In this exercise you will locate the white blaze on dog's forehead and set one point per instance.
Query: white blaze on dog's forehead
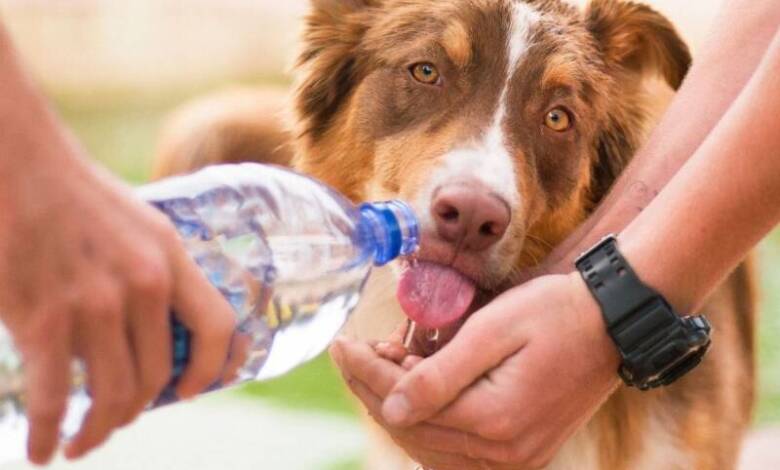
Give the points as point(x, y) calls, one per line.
point(523, 18)
point(498, 162)
point(575, 3)
point(518, 40)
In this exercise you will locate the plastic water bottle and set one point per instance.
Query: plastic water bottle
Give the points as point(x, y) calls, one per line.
point(289, 254)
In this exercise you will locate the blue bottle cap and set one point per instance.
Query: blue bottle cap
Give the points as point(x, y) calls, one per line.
point(394, 228)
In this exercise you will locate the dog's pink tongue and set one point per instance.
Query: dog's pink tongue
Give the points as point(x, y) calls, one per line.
point(433, 295)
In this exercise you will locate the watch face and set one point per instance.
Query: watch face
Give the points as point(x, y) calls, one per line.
point(671, 363)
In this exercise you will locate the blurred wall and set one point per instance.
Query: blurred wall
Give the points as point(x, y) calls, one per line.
point(91, 46)
point(95, 45)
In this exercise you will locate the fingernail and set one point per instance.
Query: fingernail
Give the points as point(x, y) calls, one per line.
point(39, 459)
point(182, 394)
point(71, 452)
point(396, 409)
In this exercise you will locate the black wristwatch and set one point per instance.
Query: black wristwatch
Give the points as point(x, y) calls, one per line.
point(657, 345)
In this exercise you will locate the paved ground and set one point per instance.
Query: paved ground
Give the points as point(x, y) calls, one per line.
point(762, 450)
point(220, 433)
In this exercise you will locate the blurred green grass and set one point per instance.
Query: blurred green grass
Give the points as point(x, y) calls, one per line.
point(348, 464)
point(769, 334)
point(122, 135)
point(315, 385)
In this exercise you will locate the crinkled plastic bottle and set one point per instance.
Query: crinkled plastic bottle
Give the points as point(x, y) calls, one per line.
point(288, 253)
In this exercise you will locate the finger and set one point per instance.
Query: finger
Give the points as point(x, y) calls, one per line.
point(370, 377)
point(370, 400)
point(359, 361)
point(422, 436)
point(474, 412)
point(489, 407)
point(150, 339)
point(410, 362)
point(103, 344)
point(482, 344)
point(239, 352)
point(47, 375)
point(211, 322)
point(392, 351)
point(501, 431)
point(437, 446)
point(398, 335)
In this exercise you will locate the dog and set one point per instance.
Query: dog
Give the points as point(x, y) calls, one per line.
point(504, 123)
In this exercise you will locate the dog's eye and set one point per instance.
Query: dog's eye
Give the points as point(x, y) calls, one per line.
point(558, 119)
point(426, 73)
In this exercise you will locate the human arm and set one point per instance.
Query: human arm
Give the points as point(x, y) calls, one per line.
point(507, 384)
point(737, 41)
point(720, 204)
point(87, 271)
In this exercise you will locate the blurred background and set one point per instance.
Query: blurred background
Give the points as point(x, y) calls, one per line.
point(114, 70)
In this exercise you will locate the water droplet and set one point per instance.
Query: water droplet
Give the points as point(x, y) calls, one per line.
point(432, 335)
point(411, 327)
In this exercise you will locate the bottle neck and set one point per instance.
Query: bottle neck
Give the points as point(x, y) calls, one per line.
point(393, 228)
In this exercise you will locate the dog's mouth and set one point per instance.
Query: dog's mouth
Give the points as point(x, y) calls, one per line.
point(439, 288)
point(435, 295)
point(439, 298)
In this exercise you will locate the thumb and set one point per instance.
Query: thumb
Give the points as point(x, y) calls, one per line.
point(483, 343)
point(211, 322)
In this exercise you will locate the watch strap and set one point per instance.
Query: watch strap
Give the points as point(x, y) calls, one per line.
point(656, 344)
point(617, 289)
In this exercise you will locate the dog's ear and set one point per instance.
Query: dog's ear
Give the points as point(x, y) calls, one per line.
point(634, 37)
point(635, 41)
point(328, 59)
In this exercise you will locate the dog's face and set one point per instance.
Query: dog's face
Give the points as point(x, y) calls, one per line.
point(502, 121)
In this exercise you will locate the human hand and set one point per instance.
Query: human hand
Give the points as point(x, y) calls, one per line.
point(88, 271)
point(521, 376)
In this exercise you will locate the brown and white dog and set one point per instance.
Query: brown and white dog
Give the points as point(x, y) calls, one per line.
point(504, 122)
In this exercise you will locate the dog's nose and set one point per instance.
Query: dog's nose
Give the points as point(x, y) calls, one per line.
point(470, 216)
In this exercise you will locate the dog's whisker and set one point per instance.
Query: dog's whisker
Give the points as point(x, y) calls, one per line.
point(540, 241)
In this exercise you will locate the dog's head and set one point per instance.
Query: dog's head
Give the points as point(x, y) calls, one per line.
point(503, 121)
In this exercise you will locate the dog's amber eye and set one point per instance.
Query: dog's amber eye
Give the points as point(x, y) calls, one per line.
point(558, 119)
point(426, 73)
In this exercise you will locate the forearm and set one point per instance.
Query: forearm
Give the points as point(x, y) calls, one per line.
point(720, 204)
point(27, 123)
point(18, 103)
point(34, 146)
point(737, 41)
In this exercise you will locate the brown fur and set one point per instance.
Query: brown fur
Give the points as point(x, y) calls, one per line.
point(362, 127)
point(233, 126)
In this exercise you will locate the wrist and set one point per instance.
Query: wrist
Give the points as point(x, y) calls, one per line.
point(38, 161)
point(656, 346)
point(600, 346)
point(659, 271)
point(33, 139)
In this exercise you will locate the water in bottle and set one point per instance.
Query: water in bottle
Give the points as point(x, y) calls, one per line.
point(288, 253)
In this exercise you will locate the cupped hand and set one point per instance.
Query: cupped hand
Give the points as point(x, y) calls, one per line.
point(520, 377)
point(88, 271)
